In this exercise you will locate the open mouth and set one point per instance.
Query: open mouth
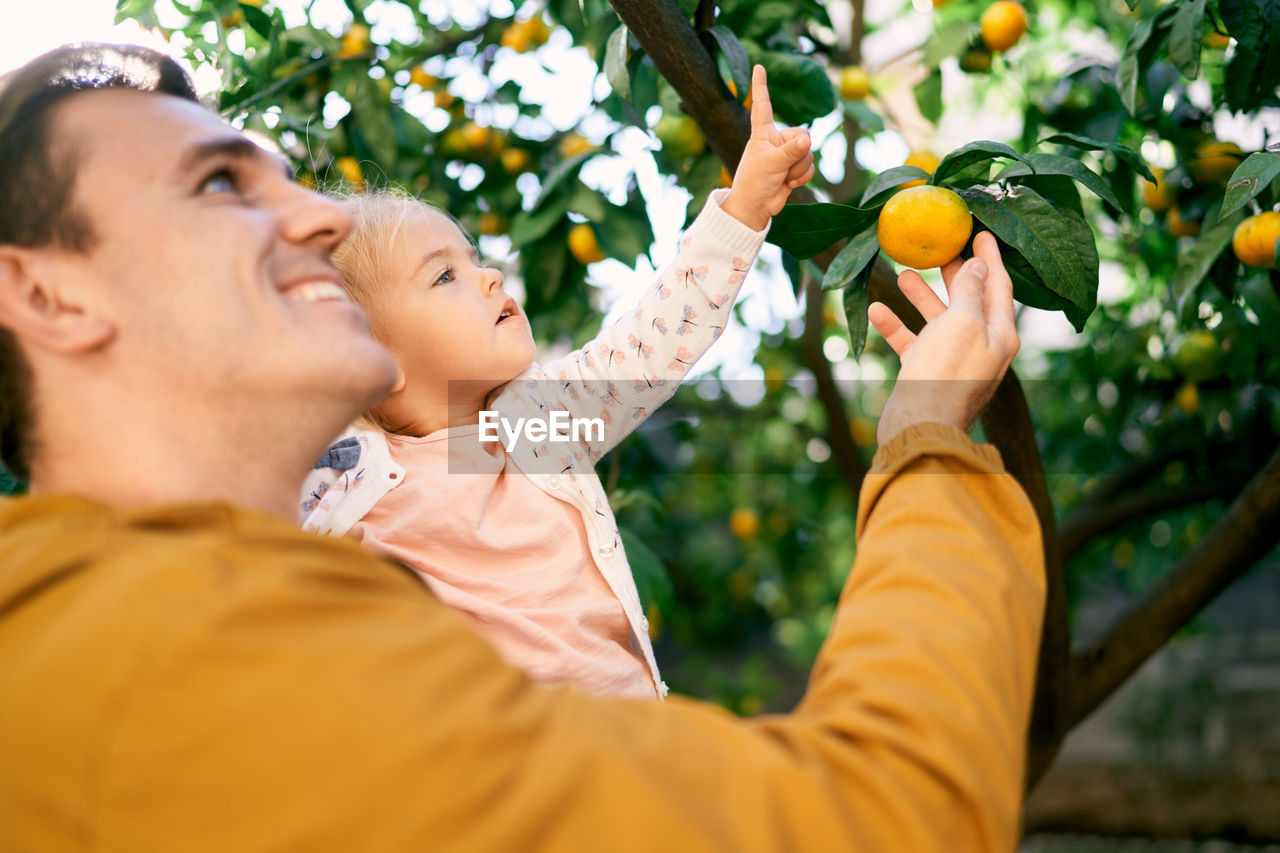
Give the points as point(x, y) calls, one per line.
point(509, 310)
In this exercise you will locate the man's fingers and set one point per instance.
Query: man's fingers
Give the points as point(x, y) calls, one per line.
point(920, 294)
point(998, 299)
point(897, 335)
point(968, 287)
point(949, 270)
point(761, 108)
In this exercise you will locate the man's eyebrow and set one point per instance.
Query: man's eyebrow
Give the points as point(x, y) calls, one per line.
point(236, 147)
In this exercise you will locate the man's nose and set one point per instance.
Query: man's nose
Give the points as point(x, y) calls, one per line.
point(310, 218)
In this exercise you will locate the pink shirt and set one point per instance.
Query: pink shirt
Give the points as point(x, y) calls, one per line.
point(509, 556)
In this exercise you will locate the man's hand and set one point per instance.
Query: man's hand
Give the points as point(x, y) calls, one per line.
point(772, 165)
point(951, 369)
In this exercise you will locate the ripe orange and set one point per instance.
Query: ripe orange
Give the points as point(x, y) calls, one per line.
point(1003, 24)
point(1255, 239)
point(489, 223)
point(583, 245)
point(1214, 161)
point(855, 83)
point(516, 160)
point(1215, 40)
point(733, 90)
point(420, 77)
point(572, 145)
point(349, 168)
point(924, 227)
point(1157, 196)
point(744, 523)
point(355, 40)
point(443, 99)
point(923, 160)
point(726, 179)
point(1180, 227)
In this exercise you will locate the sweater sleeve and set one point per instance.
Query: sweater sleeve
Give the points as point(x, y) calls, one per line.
point(635, 364)
point(372, 718)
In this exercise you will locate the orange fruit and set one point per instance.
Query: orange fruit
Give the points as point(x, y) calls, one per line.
point(923, 160)
point(975, 60)
point(1157, 196)
point(1255, 239)
point(489, 223)
point(733, 90)
point(443, 99)
point(478, 138)
point(583, 244)
point(744, 523)
point(420, 77)
point(537, 31)
point(573, 144)
point(1215, 40)
point(924, 227)
point(855, 83)
point(349, 168)
point(1003, 24)
point(726, 179)
point(516, 160)
point(1180, 227)
point(1214, 161)
point(1187, 399)
point(355, 40)
point(516, 37)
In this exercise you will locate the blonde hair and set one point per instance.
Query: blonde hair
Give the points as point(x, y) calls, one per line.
point(364, 258)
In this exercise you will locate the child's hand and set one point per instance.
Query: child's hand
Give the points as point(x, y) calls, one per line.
point(772, 165)
point(951, 369)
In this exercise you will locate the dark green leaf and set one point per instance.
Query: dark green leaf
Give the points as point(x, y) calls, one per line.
point(1058, 244)
point(615, 63)
point(373, 113)
point(1126, 154)
point(531, 225)
point(259, 20)
point(1195, 263)
point(869, 121)
point(952, 39)
point(1139, 51)
point(804, 230)
point(929, 95)
point(971, 154)
point(1056, 164)
point(852, 259)
point(559, 173)
point(1250, 178)
point(856, 297)
point(735, 57)
point(652, 583)
point(801, 90)
point(142, 11)
point(884, 184)
point(1261, 298)
point(1186, 37)
point(588, 202)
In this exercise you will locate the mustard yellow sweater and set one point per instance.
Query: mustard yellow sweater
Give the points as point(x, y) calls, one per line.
point(204, 678)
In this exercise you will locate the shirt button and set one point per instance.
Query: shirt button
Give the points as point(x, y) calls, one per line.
point(605, 550)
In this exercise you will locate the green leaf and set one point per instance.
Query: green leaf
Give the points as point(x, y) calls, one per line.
point(884, 184)
point(804, 230)
point(259, 20)
point(852, 259)
point(802, 91)
point(1057, 244)
point(1124, 153)
point(1261, 298)
point(142, 11)
point(1139, 51)
point(735, 57)
point(869, 121)
point(615, 63)
point(929, 95)
point(1250, 178)
point(1186, 37)
point(630, 233)
point(652, 582)
point(588, 202)
point(856, 297)
point(1251, 75)
point(1196, 262)
point(971, 154)
point(530, 225)
point(559, 173)
point(952, 39)
point(1056, 164)
point(373, 116)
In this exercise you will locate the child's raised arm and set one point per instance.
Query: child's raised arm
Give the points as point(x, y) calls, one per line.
point(635, 365)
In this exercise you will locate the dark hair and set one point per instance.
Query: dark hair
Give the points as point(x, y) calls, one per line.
point(37, 177)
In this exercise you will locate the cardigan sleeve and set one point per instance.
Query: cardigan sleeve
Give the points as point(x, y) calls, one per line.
point(635, 364)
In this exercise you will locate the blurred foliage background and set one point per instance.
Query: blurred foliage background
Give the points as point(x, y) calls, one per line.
point(738, 499)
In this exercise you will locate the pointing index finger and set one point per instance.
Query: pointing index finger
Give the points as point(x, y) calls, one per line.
point(761, 108)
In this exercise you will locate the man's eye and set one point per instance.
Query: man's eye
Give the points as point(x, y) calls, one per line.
point(445, 277)
point(221, 181)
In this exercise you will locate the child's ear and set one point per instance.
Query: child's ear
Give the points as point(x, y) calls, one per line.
point(39, 307)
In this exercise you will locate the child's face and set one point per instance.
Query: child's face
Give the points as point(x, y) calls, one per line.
point(445, 316)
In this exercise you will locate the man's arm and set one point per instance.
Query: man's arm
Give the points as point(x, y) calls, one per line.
point(325, 699)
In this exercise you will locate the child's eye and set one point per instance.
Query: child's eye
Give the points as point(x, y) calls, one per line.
point(446, 276)
point(221, 181)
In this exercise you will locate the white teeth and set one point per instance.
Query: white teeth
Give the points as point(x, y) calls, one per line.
point(317, 292)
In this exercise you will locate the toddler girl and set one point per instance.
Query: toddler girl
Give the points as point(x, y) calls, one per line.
point(511, 525)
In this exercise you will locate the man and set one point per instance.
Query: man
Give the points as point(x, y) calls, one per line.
point(181, 669)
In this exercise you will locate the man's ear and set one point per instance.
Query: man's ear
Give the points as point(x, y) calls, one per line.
point(40, 303)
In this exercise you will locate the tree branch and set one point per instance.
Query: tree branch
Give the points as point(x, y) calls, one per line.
point(848, 459)
point(1246, 532)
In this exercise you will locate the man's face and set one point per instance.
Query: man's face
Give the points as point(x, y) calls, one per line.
point(213, 265)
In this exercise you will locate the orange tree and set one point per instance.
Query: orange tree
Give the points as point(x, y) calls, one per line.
point(1151, 455)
